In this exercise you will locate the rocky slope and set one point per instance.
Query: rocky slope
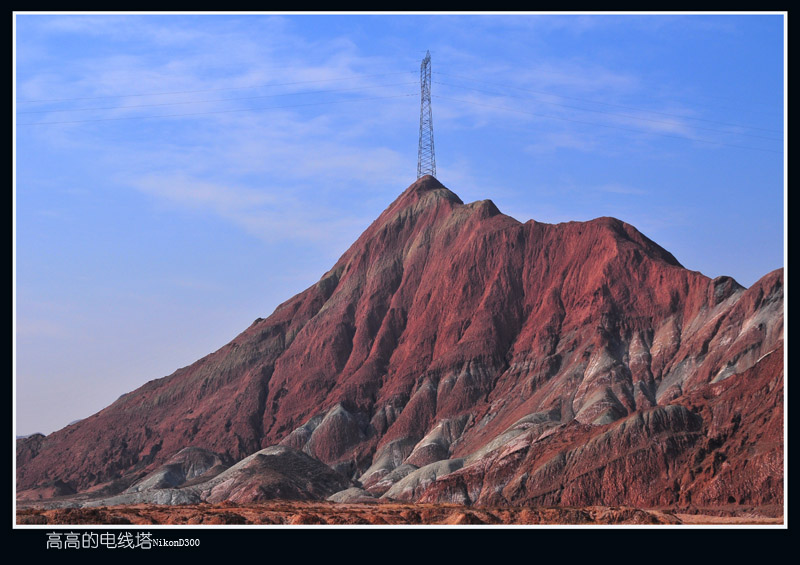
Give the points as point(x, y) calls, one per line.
point(455, 354)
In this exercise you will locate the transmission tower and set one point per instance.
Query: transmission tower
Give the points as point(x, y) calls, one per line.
point(426, 159)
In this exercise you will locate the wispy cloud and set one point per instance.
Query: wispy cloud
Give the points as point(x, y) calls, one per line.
point(267, 214)
point(575, 77)
point(159, 29)
point(199, 194)
point(38, 328)
point(579, 24)
point(195, 284)
point(253, 167)
point(617, 188)
point(549, 142)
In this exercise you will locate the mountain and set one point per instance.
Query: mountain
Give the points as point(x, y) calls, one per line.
point(454, 354)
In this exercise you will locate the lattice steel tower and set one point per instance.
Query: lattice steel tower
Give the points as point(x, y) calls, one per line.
point(426, 158)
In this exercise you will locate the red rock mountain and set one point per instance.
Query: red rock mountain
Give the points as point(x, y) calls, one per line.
point(455, 354)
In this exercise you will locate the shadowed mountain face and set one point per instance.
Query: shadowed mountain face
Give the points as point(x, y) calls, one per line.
point(456, 354)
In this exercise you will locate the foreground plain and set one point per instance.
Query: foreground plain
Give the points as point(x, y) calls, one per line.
point(291, 513)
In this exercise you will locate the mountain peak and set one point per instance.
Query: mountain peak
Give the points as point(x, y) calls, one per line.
point(424, 187)
point(426, 182)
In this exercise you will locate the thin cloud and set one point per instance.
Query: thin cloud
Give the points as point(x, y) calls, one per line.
point(250, 168)
point(268, 214)
point(616, 188)
point(550, 142)
point(223, 199)
point(33, 328)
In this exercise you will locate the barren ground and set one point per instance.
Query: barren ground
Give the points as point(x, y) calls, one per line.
point(318, 513)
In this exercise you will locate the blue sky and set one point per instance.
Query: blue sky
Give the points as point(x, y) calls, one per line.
point(178, 176)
